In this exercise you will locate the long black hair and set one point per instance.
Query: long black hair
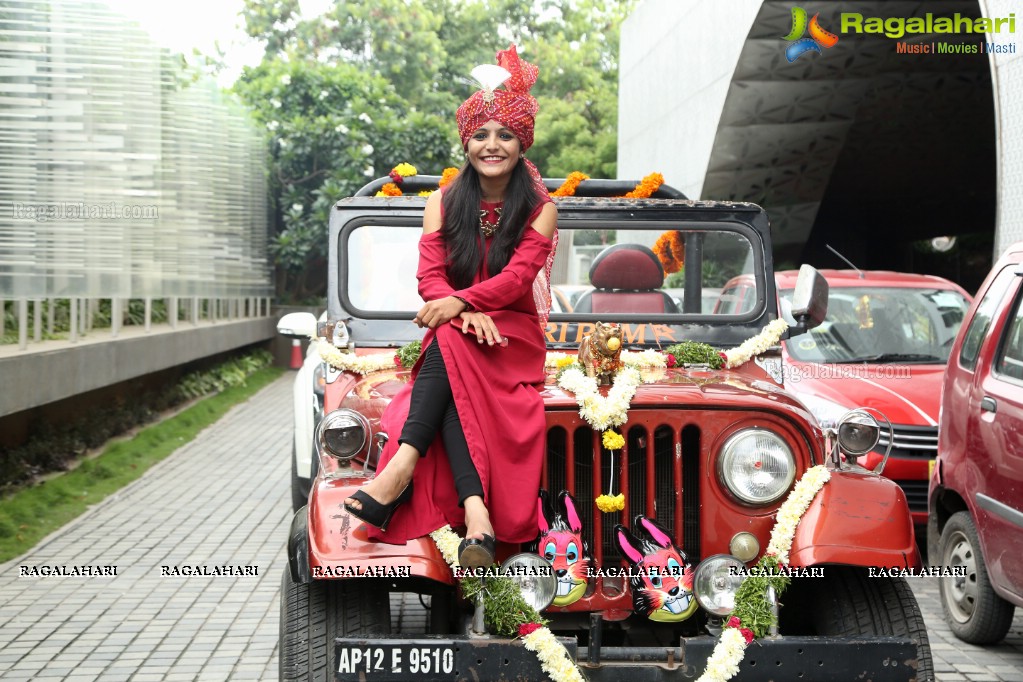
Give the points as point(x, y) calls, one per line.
point(461, 227)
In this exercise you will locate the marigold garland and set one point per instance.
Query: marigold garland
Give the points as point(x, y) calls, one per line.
point(402, 171)
point(447, 176)
point(389, 190)
point(570, 184)
point(610, 503)
point(646, 187)
point(613, 440)
point(671, 251)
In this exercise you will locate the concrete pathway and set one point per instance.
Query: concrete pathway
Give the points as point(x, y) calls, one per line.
point(223, 500)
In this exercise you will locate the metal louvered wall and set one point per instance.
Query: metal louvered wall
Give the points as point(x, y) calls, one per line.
point(121, 177)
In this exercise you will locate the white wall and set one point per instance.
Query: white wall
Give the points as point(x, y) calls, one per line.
point(1007, 82)
point(676, 62)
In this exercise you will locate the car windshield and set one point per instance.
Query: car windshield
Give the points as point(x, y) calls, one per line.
point(883, 325)
point(596, 272)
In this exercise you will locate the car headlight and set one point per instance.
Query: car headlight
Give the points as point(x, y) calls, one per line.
point(535, 578)
point(716, 581)
point(757, 466)
point(826, 412)
point(342, 434)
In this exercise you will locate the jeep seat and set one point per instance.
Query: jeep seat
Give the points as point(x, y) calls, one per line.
point(627, 279)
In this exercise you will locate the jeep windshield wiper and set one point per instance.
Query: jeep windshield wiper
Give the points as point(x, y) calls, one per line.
point(892, 357)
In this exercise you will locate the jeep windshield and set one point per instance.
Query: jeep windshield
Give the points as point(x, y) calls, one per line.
point(661, 283)
point(883, 325)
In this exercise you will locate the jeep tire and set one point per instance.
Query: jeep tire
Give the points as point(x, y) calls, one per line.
point(973, 611)
point(313, 614)
point(849, 603)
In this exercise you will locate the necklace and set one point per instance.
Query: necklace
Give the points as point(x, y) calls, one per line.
point(489, 228)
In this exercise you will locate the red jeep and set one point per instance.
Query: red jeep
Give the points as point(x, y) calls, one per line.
point(976, 518)
point(709, 456)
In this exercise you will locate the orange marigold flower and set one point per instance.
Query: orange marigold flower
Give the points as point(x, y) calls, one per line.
point(678, 248)
point(571, 183)
point(389, 190)
point(447, 176)
point(671, 251)
point(646, 187)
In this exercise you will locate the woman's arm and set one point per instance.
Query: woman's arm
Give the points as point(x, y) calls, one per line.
point(517, 277)
point(434, 286)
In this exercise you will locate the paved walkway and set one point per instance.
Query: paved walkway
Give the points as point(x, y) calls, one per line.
point(223, 500)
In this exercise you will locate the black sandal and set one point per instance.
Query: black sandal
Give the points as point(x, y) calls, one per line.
point(374, 513)
point(475, 554)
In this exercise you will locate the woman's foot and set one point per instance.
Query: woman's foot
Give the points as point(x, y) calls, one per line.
point(477, 519)
point(389, 483)
point(479, 548)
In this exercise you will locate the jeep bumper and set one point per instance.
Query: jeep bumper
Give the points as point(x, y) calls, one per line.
point(881, 659)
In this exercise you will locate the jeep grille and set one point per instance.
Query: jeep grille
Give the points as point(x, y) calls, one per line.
point(655, 482)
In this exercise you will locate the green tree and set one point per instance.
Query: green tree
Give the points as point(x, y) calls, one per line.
point(372, 83)
point(577, 127)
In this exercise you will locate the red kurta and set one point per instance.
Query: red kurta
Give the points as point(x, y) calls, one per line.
point(496, 393)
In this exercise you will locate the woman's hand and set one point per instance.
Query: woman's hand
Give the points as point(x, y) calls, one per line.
point(436, 313)
point(484, 328)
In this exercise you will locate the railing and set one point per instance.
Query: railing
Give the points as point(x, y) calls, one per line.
point(74, 318)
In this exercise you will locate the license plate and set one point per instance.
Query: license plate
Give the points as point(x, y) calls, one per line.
point(437, 659)
point(930, 468)
point(395, 662)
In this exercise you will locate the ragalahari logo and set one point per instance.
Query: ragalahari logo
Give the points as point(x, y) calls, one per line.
point(817, 39)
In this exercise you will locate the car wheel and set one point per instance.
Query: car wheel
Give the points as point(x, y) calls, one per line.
point(850, 603)
point(973, 611)
point(313, 614)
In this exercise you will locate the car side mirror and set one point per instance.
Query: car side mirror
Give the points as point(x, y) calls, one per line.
point(809, 300)
point(298, 325)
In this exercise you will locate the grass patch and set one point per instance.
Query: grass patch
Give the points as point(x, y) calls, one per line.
point(29, 515)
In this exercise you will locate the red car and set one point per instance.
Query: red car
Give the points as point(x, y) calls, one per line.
point(884, 345)
point(976, 491)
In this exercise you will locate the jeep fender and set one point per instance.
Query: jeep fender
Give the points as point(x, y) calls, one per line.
point(324, 538)
point(857, 519)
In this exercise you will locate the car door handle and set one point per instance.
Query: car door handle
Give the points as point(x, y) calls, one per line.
point(988, 404)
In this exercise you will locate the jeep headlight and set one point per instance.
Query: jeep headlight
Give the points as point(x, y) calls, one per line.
point(716, 581)
point(757, 466)
point(342, 434)
point(534, 577)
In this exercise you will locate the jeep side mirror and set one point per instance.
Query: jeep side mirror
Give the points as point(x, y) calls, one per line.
point(298, 325)
point(809, 300)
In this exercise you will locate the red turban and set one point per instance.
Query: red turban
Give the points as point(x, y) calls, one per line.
point(513, 107)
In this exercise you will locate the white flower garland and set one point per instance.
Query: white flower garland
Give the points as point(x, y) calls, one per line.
point(792, 511)
point(599, 411)
point(350, 362)
point(723, 663)
point(553, 657)
point(752, 347)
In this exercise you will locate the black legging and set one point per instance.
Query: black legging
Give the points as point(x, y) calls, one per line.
point(431, 408)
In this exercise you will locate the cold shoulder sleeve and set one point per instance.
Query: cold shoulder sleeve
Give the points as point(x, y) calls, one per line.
point(433, 272)
point(515, 280)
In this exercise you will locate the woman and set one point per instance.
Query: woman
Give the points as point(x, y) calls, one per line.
point(485, 257)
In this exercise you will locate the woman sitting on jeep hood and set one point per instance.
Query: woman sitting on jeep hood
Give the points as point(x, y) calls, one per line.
point(484, 271)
